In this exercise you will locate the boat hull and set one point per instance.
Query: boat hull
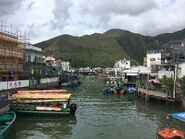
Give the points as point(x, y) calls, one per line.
point(54, 113)
point(32, 111)
point(5, 131)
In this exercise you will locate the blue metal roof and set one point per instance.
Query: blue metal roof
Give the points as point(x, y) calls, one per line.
point(179, 115)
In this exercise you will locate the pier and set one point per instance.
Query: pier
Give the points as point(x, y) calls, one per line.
point(157, 94)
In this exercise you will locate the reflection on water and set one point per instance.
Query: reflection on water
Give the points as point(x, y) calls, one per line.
point(98, 116)
point(39, 127)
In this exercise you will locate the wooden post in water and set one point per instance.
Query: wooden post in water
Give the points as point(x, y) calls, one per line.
point(166, 97)
point(147, 97)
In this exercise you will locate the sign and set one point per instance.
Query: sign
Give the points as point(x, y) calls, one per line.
point(17, 84)
point(49, 80)
point(3, 85)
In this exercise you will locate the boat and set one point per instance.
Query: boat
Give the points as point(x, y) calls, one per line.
point(65, 84)
point(43, 102)
point(68, 79)
point(6, 121)
point(130, 88)
point(176, 128)
point(114, 89)
point(119, 87)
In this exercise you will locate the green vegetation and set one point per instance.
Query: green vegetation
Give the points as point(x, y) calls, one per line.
point(182, 85)
point(104, 49)
point(168, 84)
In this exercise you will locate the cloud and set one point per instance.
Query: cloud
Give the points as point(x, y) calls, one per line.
point(61, 13)
point(104, 7)
point(30, 5)
point(45, 19)
point(9, 6)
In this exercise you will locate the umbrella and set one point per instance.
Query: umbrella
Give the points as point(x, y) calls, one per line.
point(154, 81)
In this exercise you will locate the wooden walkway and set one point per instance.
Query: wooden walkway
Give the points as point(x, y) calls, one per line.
point(147, 94)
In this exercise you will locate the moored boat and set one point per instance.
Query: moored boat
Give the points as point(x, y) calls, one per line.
point(176, 128)
point(47, 103)
point(6, 121)
point(43, 91)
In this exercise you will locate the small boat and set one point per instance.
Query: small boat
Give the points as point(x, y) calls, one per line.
point(130, 88)
point(118, 87)
point(114, 89)
point(43, 102)
point(65, 84)
point(6, 121)
point(176, 128)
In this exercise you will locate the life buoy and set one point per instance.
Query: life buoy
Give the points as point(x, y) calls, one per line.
point(171, 133)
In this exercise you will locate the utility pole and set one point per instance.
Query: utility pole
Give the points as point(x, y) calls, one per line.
point(176, 64)
point(174, 83)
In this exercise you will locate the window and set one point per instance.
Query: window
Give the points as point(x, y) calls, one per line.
point(29, 58)
point(152, 59)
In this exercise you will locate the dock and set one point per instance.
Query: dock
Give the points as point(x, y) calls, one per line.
point(157, 94)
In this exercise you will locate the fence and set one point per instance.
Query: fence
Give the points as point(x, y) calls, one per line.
point(25, 83)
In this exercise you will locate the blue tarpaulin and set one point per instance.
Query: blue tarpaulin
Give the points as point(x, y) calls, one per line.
point(179, 115)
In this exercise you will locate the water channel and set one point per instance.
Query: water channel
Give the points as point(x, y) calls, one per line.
point(98, 116)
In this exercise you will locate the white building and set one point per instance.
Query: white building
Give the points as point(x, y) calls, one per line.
point(181, 70)
point(170, 72)
point(34, 60)
point(50, 61)
point(153, 58)
point(121, 65)
point(65, 65)
point(33, 54)
point(167, 73)
point(135, 71)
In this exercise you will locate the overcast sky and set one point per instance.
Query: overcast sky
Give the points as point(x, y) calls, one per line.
point(44, 19)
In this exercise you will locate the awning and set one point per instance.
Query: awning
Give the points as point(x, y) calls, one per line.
point(131, 74)
point(154, 81)
point(179, 115)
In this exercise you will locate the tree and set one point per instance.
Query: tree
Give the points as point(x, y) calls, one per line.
point(168, 84)
point(182, 85)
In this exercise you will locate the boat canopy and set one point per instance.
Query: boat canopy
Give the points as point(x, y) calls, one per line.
point(179, 115)
point(43, 91)
point(132, 74)
point(30, 95)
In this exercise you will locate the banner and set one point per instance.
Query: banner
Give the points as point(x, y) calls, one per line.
point(17, 84)
point(3, 85)
point(49, 80)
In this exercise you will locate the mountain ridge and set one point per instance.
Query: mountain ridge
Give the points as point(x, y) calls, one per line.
point(103, 49)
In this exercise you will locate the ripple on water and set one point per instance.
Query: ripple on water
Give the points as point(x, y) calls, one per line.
point(98, 116)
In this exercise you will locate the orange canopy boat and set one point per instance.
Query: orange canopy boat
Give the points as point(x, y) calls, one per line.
point(173, 132)
point(43, 91)
point(43, 102)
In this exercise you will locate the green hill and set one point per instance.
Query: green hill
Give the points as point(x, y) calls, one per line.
point(104, 49)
